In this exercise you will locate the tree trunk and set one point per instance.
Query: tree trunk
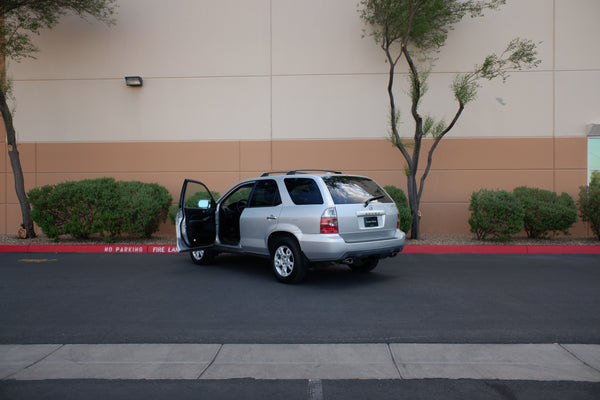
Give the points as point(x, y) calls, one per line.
point(413, 201)
point(15, 163)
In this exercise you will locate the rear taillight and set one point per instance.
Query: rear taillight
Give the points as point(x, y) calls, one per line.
point(398, 223)
point(329, 221)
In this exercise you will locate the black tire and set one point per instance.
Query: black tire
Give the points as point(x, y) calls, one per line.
point(287, 260)
point(202, 257)
point(365, 265)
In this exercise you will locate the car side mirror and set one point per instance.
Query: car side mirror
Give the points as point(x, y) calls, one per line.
point(204, 204)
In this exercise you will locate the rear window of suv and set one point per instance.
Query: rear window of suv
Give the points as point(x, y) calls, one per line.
point(354, 190)
point(303, 191)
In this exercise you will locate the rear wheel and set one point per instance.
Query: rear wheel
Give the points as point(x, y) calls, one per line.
point(364, 265)
point(289, 265)
point(202, 257)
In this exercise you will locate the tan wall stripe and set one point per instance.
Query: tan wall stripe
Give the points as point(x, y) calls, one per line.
point(460, 166)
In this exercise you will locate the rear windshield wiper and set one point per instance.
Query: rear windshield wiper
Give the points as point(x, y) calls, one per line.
point(373, 199)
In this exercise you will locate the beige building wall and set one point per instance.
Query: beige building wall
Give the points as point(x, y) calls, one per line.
point(236, 87)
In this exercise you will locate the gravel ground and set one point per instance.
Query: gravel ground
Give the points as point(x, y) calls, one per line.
point(427, 239)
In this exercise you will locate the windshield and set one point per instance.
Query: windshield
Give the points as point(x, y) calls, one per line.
point(354, 190)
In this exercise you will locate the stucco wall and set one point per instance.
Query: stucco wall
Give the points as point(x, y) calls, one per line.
point(236, 87)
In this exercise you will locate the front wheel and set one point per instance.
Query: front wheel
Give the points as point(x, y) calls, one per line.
point(365, 265)
point(202, 257)
point(288, 261)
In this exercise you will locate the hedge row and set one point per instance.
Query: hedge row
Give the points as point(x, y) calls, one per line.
point(99, 206)
point(110, 208)
point(498, 214)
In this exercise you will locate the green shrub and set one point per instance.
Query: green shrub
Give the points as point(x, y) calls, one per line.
point(589, 207)
point(144, 207)
point(401, 201)
point(99, 206)
point(172, 212)
point(546, 212)
point(76, 208)
point(595, 178)
point(495, 214)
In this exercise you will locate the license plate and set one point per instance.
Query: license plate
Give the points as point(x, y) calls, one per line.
point(371, 222)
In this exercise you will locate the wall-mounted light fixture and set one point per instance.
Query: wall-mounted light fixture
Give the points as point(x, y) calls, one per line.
point(134, 81)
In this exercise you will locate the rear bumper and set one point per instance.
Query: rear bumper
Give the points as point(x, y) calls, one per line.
point(331, 247)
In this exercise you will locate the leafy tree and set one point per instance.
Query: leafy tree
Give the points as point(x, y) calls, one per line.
point(19, 19)
point(414, 31)
point(589, 207)
point(595, 178)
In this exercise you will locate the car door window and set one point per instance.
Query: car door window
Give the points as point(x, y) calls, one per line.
point(303, 191)
point(197, 226)
point(265, 194)
point(196, 196)
point(231, 210)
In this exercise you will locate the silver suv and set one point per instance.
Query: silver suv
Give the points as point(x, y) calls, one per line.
point(296, 218)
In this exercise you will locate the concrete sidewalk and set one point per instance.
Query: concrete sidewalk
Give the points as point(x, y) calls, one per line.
point(540, 362)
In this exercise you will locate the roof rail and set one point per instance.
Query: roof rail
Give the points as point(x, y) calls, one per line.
point(300, 171)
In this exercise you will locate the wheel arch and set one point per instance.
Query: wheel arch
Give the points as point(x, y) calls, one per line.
point(273, 237)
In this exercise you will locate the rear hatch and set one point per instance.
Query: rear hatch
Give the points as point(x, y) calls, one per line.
point(365, 212)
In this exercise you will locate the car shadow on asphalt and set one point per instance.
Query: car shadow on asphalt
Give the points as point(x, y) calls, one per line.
point(332, 276)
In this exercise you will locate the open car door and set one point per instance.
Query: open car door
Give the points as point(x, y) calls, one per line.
point(195, 221)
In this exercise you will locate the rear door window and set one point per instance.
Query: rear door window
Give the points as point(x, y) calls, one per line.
point(265, 194)
point(354, 190)
point(303, 191)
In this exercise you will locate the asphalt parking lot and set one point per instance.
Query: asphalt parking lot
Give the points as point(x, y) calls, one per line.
point(413, 298)
point(540, 310)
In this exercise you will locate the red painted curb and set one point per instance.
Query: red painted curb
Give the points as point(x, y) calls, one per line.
point(411, 249)
point(502, 249)
point(108, 248)
point(484, 249)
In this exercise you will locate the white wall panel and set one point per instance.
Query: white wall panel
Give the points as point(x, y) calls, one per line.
point(577, 34)
point(316, 37)
point(577, 101)
point(475, 38)
point(329, 107)
point(322, 37)
point(288, 69)
point(156, 38)
point(521, 107)
point(161, 110)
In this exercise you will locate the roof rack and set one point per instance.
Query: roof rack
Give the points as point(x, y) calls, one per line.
point(300, 171)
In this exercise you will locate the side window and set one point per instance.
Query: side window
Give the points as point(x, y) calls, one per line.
point(303, 191)
point(265, 194)
point(239, 197)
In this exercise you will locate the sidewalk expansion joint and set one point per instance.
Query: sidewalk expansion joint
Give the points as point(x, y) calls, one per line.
point(60, 346)
point(394, 361)
point(575, 356)
point(211, 362)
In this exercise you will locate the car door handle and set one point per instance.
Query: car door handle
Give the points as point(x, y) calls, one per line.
point(272, 218)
